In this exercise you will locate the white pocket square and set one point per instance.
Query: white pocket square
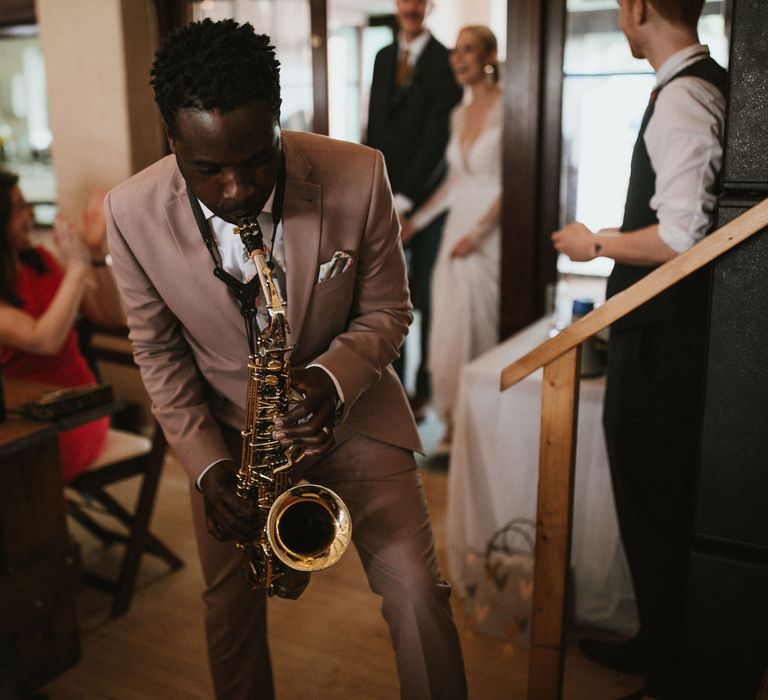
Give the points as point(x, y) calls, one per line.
point(340, 262)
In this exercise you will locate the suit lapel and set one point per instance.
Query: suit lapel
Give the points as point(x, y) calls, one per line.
point(197, 260)
point(301, 233)
point(388, 78)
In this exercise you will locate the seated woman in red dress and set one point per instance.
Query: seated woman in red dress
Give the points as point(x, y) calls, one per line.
point(40, 301)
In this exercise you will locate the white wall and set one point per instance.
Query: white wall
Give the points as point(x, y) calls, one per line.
point(102, 115)
point(448, 16)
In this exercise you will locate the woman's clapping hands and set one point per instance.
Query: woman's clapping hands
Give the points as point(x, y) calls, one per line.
point(71, 245)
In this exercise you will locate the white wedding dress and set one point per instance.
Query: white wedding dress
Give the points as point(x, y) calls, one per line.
point(465, 290)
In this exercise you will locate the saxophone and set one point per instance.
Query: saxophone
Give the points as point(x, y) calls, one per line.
point(306, 527)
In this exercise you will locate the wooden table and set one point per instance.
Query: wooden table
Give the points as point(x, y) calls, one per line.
point(39, 564)
point(40, 570)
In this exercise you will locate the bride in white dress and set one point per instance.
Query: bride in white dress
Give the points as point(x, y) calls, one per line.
point(465, 281)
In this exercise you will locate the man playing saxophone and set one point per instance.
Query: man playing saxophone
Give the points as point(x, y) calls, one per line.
point(332, 237)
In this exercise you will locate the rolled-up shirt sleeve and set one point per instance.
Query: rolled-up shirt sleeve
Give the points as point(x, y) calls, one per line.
point(684, 143)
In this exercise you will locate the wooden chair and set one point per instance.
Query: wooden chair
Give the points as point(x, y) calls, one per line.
point(129, 454)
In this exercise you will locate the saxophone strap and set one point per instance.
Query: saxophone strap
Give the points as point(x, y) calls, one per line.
point(245, 293)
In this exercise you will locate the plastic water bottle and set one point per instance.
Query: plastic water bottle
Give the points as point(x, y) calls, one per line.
point(591, 365)
point(581, 307)
point(559, 306)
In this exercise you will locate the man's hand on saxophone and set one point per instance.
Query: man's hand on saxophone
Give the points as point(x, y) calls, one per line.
point(228, 517)
point(309, 423)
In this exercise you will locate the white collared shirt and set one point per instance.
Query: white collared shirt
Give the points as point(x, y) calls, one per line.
point(684, 143)
point(231, 250)
point(415, 46)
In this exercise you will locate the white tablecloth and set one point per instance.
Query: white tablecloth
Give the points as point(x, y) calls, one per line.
point(493, 477)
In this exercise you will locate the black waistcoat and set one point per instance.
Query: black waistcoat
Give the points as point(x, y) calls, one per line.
point(688, 297)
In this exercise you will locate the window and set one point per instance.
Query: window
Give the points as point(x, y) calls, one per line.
point(25, 134)
point(287, 23)
point(351, 53)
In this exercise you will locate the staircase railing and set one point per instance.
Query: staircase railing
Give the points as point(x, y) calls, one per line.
point(560, 357)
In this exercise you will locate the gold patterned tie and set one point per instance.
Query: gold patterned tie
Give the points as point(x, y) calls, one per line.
point(402, 67)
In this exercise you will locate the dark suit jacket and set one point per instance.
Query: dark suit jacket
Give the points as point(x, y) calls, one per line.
point(409, 124)
point(187, 333)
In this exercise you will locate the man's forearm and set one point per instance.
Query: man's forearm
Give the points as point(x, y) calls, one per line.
point(640, 247)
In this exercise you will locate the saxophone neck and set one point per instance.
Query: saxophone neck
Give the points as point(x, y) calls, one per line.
point(253, 239)
point(273, 298)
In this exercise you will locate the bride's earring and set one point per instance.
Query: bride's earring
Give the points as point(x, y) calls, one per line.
point(490, 73)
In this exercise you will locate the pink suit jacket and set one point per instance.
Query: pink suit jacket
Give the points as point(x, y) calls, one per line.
point(187, 332)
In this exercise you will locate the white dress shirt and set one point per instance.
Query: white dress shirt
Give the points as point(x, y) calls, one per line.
point(684, 143)
point(415, 46)
point(234, 258)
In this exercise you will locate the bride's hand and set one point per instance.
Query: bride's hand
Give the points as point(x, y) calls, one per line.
point(464, 247)
point(407, 231)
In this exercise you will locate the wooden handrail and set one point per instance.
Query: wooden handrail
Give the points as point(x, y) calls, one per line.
point(705, 251)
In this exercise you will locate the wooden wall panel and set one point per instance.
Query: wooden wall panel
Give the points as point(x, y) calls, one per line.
point(17, 12)
point(533, 82)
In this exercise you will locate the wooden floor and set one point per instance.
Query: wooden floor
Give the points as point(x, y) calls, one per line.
point(332, 643)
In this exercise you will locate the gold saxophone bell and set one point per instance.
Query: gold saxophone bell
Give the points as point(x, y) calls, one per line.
point(308, 527)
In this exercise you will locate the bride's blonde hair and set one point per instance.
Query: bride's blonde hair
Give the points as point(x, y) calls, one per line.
point(488, 40)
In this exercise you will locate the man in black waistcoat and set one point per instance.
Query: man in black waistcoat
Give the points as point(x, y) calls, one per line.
point(656, 369)
point(412, 94)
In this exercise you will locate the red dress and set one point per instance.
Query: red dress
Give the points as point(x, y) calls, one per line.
point(80, 446)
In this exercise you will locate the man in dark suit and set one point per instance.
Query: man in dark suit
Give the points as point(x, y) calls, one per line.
point(412, 94)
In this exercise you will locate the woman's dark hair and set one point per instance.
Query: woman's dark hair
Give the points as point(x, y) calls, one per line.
point(7, 265)
point(214, 65)
point(8, 181)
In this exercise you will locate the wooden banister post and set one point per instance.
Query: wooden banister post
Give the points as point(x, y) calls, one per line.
point(554, 515)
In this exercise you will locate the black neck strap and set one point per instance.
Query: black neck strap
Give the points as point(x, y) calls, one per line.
point(245, 293)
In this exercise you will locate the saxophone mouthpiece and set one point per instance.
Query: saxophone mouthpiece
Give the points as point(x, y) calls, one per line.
point(250, 233)
point(246, 220)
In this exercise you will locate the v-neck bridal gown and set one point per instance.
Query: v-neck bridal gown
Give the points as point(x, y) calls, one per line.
point(465, 290)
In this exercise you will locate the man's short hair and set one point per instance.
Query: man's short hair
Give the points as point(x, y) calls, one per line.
point(215, 65)
point(681, 12)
